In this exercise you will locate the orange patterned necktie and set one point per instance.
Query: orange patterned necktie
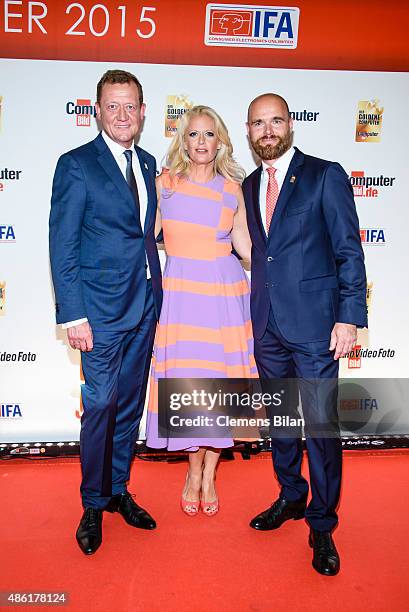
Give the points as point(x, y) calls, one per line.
point(272, 196)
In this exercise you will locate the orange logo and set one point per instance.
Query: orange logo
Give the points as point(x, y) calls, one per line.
point(231, 23)
point(354, 357)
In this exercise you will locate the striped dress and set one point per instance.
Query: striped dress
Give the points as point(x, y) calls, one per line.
point(204, 330)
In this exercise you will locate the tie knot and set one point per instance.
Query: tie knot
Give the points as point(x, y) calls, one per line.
point(271, 171)
point(128, 155)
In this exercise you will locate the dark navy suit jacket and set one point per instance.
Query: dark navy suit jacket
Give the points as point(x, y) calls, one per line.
point(310, 268)
point(97, 246)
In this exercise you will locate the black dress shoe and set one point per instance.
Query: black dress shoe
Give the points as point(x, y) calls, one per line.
point(132, 513)
point(282, 510)
point(325, 559)
point(89, 532)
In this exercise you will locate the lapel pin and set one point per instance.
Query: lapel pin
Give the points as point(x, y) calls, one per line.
point(293, 179)
point(145, 165)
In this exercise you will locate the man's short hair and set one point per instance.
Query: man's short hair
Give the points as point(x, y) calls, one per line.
point(118, 76)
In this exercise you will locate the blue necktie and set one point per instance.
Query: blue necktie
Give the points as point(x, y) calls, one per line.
point(130, 179)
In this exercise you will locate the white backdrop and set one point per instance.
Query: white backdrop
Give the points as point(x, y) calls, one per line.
point(40, 398)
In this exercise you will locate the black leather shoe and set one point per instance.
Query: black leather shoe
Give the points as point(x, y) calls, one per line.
point(282, 510)
point(132, 513)
point(325, 559)
point(89, 532)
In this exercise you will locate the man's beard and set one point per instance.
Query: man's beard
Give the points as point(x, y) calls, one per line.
point(269, 151)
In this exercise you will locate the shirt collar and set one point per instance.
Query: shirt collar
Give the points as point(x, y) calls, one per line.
point(282, 163)
point(116, 149)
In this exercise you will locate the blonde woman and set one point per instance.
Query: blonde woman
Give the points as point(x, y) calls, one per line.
point(204, 330)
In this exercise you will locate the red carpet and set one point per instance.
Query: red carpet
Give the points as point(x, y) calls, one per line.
point(207, 564)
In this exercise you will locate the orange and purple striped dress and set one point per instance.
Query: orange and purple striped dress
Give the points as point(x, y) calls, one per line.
point(204, 329)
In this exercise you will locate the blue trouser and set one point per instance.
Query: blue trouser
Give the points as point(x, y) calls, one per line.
point(309, 362)
point(115, 373)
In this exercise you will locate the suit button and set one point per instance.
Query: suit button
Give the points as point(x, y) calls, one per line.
point(266, 285)
point(270, 258)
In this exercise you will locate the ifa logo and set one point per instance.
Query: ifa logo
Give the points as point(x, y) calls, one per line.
point(362, 403)
point(7, 233)
point(372, 236)
point(11, 411)
point(230, 25)
point(232, 22)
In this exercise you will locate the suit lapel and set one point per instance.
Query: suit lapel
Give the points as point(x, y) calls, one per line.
point(110, 165)
point(256, 202)
point(287, 189)
point(148, 177)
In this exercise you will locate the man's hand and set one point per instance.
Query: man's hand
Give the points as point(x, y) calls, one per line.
point(343, 338)
point(80, 337)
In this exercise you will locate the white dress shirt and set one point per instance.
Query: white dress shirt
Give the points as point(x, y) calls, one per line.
point(117, 151)
point(281, 164)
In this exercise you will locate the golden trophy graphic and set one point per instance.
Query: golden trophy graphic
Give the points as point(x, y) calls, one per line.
point(176, 106)
point(2, 298)
point(369, 121)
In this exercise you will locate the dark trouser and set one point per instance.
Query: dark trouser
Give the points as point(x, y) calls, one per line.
point(116, 373)
point(310, 362)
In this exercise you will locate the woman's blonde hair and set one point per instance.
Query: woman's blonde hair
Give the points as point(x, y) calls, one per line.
point(178, 161)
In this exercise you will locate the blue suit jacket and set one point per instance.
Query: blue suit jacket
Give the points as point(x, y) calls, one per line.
point(310, 268)
point(97, 248)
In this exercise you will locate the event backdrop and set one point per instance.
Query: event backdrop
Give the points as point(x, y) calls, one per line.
point(356, 117)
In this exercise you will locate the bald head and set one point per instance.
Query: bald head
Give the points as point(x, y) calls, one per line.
point(265, 99)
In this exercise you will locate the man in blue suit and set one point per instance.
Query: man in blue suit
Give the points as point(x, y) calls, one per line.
point(308, 297)
point(107, 283)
